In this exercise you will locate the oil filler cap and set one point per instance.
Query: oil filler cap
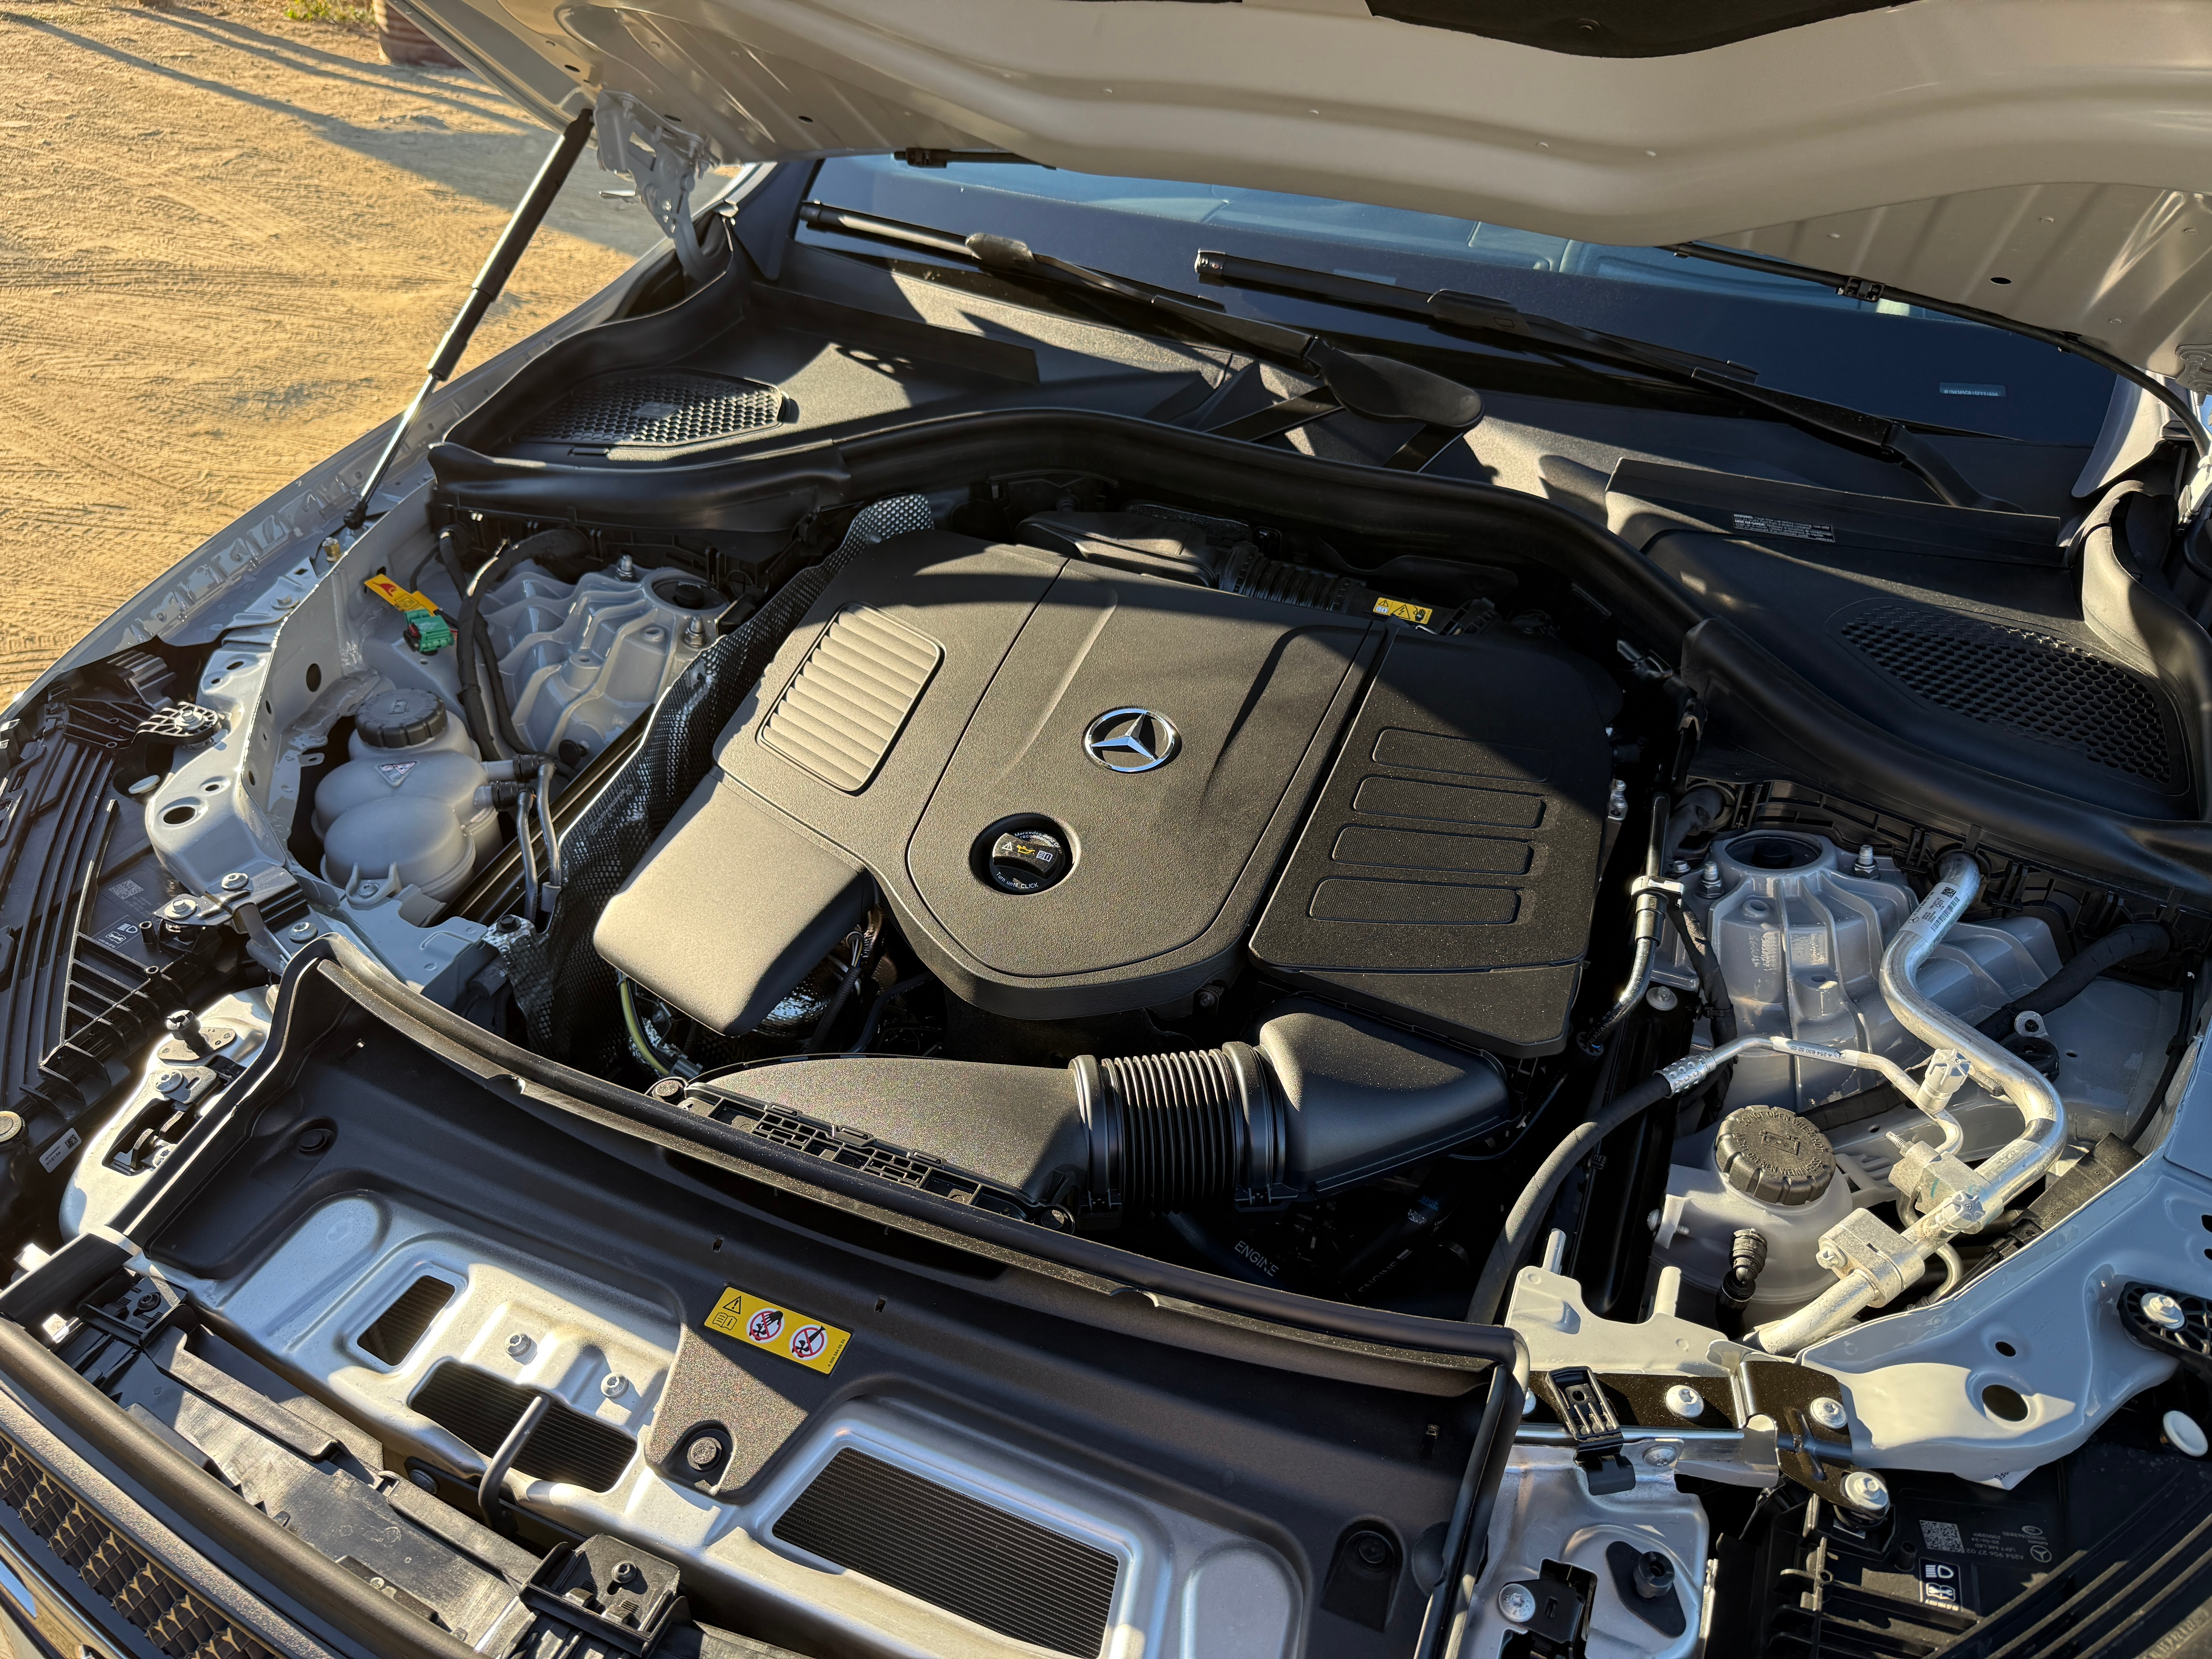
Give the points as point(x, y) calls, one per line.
point(1026, 860)
point(1773, 1156)
point(400, 720)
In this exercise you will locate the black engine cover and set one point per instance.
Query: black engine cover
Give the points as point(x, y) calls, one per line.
point(940, 693)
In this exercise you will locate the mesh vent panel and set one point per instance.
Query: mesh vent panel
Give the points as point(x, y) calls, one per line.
point(174, 1620)
point(658, 411)
point(2047, 689)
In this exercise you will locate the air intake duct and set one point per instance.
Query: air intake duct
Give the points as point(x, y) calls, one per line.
point(1319, 1100)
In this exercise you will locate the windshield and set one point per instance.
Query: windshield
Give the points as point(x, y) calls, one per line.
point(1886, 356)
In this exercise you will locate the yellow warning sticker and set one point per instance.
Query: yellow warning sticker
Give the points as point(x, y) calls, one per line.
point(1404, 610)
point(396, 596)
point(780, 1330)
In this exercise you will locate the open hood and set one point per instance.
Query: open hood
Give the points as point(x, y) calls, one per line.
point(2042, 159)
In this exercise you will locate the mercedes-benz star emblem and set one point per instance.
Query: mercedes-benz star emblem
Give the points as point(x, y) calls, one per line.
point(1131, 740)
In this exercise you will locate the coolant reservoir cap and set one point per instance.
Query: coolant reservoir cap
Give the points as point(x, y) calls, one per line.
point(400, 720)
point(1773, 1156)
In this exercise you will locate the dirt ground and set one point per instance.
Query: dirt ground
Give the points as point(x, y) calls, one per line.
point(229, 243)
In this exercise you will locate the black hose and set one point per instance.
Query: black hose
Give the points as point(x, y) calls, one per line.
point(2137, 938)
point(876, 1013)
point(1478, 1496)
point(472, 636)
point(490, 1496)
point(1650, 914)
point(820, 1035)
point(1535, 1200)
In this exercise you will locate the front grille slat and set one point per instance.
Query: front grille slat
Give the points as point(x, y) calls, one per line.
point(176, 1621)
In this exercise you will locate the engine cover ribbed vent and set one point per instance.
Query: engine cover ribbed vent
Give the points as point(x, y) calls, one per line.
point(948, 1549)
point(658, 411)
point(2045, 688)
point(840, 716)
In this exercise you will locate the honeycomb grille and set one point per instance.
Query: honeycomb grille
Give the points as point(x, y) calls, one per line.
point(659, 411)
point(174, 1620)
point(2044, 688)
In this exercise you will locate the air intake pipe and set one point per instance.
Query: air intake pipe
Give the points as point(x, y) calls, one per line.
point(1319, 1100)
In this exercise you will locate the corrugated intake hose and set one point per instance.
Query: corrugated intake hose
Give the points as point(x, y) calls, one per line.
point(1319, 1100)
point(1170, 1130)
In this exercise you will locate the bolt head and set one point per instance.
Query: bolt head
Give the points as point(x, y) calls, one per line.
point(166, 1081)
point(367, 890)
point(614, 1385)
point(1829, 1414)
point(1865, 1490)
point(518, 1347)
point(668, 1088)
point(302, 931)
point(179, 908)
point(703, 1452)
point(1686, 1402)
point(1662, 997)
point(11, 1125)
point(1517, 1604)
point(236, 881)
point(1662, 1453)
point(2164, 1312)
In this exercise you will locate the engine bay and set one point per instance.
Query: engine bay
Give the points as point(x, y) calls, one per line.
point(1092, 1039)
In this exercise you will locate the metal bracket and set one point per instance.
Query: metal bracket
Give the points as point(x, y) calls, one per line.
point(663, 163)
point(1862, 1240)
point(1579, 1398)
point(183, 722)
point(1807, 1452)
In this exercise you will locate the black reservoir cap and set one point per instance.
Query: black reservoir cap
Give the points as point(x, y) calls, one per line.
point(1774, 1156)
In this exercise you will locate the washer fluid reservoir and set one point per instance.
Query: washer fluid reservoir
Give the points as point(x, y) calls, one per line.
point(404, 805)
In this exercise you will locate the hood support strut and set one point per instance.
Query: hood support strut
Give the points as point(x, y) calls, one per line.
point(529, 214)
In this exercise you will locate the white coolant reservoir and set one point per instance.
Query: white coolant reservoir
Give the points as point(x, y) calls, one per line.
point(1769, 1171)
point(406, 800)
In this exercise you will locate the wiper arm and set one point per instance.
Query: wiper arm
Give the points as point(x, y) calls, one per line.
point(1450, 310)
point(1382, 388)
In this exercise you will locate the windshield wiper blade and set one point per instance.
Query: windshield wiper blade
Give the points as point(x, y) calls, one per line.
point(1381, 388)
point(1478, 312)
point(1862, 287)
point(1450, 309)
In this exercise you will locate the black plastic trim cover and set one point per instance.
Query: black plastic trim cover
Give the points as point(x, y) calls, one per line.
point(1264, 1311)
point(322, 1587)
